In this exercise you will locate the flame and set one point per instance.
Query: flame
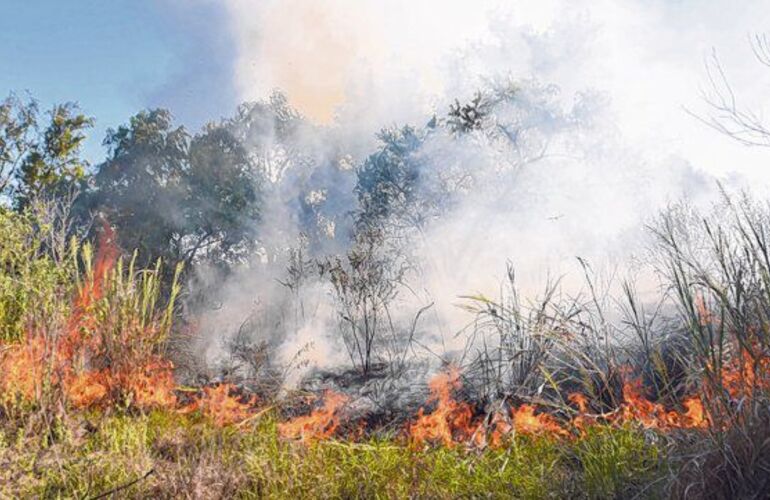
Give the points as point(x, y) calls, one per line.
point(76, 359)
point(65, 358)
point(695, 416)
point(452, 422)
point(220, 405)
point(450, 418)
point(151, 385)
point(89, 389)
point(322, 422)
point(526, 422)
point(22, 367)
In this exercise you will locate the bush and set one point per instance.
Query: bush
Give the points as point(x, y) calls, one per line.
point(31, 281)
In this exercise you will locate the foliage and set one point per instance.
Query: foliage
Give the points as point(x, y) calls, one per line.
point(617, 462)
point(516, 342)
point(175, 196)
point(389, 180)
point(84, 331)
point(40, 158)
point(365, 285)
point(31, 280)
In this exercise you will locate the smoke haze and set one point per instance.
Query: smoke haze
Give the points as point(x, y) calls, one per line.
point(602, 89)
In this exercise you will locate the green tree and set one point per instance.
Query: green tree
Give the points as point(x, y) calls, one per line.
point(18, 127)
point(178, 196)
point(222, 196)
point(389, 183)
point(137, 189)
point(54, 161)
point(37, 158)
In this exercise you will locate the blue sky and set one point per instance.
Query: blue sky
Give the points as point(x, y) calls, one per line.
point(119, 56)
point(339, 61)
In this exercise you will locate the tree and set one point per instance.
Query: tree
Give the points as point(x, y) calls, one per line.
point(389, 180)
point(175, 196)
point(418, 174)
point(365, 284)
point(18, 126)
point(222, 195)
point(726, 115)
point(54, 163)
point(137, 189)
point(35, 159)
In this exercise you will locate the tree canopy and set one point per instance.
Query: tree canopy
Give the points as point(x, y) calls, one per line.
point(40, 155)
point(175, 195)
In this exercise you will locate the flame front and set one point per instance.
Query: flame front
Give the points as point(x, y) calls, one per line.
point(451, 420)
point(322, 422)
point(77, 359)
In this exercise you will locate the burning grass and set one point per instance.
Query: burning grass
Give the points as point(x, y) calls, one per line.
point(89, 403)
point(187, 455)
point(104, 351)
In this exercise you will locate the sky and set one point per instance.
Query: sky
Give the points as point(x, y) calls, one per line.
point(117, 57)
point(363, 64)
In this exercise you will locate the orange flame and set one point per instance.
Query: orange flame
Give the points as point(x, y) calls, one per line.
point(526, 422)
point(451, 422)
point(147, 382)
point(221, 407)
point(322, 422)
point(66, 360)
point(22, 368)
point(449, 419)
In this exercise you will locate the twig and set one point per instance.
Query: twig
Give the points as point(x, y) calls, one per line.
point(124, 486)
point(357, 446)
point(254, 417)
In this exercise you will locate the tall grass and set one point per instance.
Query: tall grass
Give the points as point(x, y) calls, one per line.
point(30, 280)
point(87, 384)
point(85, 328)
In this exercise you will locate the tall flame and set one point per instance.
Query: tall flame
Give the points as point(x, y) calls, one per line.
point(450, 418)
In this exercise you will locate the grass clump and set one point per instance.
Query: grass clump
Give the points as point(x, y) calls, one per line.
point(165, 454)
point(617, 462)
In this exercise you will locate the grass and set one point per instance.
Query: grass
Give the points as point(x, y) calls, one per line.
point(89, 406)
point(614, 460)
point(189, 456)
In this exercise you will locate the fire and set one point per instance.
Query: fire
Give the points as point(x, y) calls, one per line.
point(151, 385)
point(221, 406)
point(322, 422)
point(452, 422)
point(79, 359)
point(450, 419)
point(638, 409)
point(695, 416)
point(98, 369)
point(526, 422)
point(76, 358)
point(89, 389)
point(22, 368)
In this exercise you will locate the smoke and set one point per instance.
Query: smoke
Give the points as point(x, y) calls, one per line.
point(601, 91)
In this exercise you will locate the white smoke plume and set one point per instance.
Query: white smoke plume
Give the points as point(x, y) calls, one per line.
point(603, 86)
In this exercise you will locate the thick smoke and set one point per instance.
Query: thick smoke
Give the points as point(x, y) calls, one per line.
point(583, 139)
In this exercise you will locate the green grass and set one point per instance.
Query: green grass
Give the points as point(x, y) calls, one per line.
point(616, 459)
point(189, 456)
